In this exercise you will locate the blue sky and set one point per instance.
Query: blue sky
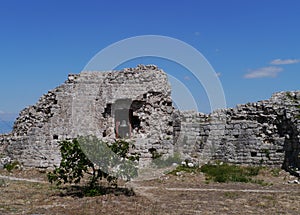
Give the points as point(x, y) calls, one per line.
point(253, 45)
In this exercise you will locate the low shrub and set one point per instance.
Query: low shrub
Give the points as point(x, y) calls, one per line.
point(11, 166)
point(275, 172)
point(94, 157)
point(229, 173)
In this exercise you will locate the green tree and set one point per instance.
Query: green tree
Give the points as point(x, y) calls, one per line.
point(99, 159)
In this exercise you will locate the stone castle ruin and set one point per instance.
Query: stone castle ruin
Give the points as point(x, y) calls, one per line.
point(136, 104)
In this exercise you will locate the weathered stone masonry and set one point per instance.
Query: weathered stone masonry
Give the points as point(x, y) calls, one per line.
point(86, 104)
point(265, 132)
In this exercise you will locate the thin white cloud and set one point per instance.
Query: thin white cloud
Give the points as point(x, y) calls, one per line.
point(2, 112)
point(197, 33)
point(284, 62)
point(264, 72)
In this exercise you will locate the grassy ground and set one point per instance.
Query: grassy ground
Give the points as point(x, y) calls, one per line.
point(184, 193)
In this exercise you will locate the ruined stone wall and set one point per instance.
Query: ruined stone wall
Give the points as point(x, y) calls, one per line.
point(84, 104)
point(265, 132)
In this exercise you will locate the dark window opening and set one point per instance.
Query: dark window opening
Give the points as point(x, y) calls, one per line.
point(253, 154)
point(107, 111)
point(279, 150)
point(104, 133)
point(236, 136)
point(136, 122)
point(55, 137)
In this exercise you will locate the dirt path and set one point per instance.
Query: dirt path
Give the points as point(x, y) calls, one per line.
point(215, 190)
point(143, 189)
point(21, 179)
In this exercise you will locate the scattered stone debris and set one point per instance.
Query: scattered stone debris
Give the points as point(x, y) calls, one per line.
point(294, 182)
point(4, 161)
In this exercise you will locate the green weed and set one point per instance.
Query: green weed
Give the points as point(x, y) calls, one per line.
point(230, 173)
point(275, 172)
point(11, 166)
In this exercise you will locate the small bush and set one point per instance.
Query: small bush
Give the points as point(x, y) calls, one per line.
point(11, 166)
point(253, 170)
point(275, 172)
point(229, 173)
point(77, 161)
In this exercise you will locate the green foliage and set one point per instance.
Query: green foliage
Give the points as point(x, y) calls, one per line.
point(73, 164)
point(121, 148)
point(113, 158)
point(275, 172)
point(88, 155)
point(11, 166)
point(229, 173)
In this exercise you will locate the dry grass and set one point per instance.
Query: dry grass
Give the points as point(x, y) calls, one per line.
point(154, 197)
